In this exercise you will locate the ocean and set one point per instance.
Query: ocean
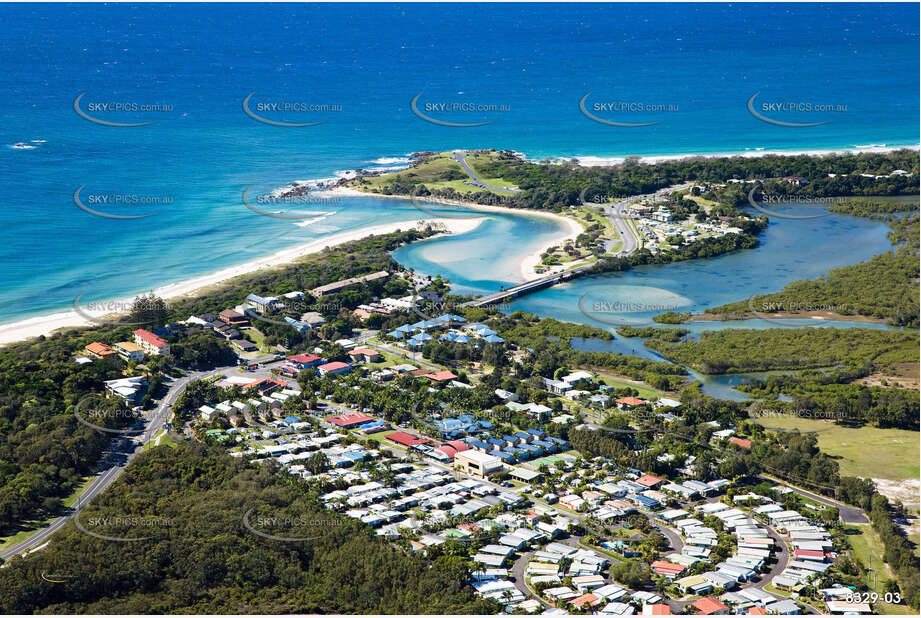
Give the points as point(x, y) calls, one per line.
point(521, 68)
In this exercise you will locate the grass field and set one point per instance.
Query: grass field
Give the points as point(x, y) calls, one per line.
point(867, 451)
point(868, 550)
point(646, 391)
point(436, 174)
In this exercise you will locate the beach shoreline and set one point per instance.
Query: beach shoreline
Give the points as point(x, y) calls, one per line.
point(596, 161)
point(28, 328)
point(528, 264)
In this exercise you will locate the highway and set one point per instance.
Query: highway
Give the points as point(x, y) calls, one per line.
point(123, 450)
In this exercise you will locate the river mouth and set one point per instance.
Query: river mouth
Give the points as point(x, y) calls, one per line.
point(788, 251)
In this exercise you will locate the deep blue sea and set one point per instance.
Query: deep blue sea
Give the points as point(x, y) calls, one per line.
point(522, 68)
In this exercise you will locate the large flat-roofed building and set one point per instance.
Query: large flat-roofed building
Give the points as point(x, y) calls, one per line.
point(338, 286)
point(477, 464)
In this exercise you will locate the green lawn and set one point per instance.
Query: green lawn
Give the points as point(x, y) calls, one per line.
point(867, 451)
point(432, 172)
point(164, 440)
point(646, 391)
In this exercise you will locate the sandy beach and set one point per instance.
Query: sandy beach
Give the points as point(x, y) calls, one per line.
point(595, 161)
point(44, 325)
point(530, 261)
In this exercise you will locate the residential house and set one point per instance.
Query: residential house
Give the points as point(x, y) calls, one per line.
point(99, 350)
point(129, 351)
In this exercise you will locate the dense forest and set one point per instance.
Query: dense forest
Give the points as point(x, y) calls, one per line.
point(555, 185)
point(739, 350)
point(201, 558)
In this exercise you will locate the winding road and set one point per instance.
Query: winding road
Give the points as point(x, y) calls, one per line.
point(461, 157)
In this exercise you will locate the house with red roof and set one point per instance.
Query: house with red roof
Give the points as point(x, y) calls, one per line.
point(757, 611)
point(441, 376)
point(151, 343)
point(267, 386)
point(336, 368)
point(349, 420)
point(657, 609)
point(669, 569)
point(629, 402)
point(650, 481)
point(305, 361)
point(364, 355)
point(740, 442)
point(458, 445)
point(586, 600)
point(708, 606)
point(401, 437)
point(99, 350)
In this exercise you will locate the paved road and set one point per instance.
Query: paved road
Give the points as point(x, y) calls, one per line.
point(121, 452)
point(849, 514)
point(629, 243)
point(781, 553)
point(461, 157)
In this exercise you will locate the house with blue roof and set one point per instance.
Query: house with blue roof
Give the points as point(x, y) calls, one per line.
point(298, 326)
point(549, 447)
point(261, 303)
point(396, 334)
point(532, 450)
point(493, 338)
point(645, 501)
point(480, 446)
